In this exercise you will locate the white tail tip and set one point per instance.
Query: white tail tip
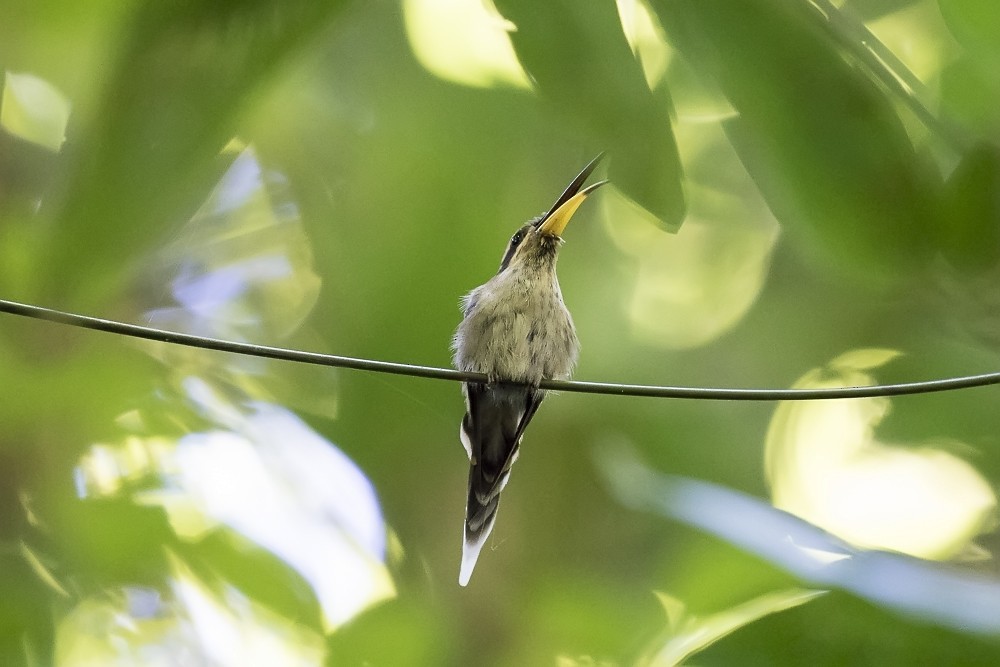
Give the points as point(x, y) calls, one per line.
point(470, 554)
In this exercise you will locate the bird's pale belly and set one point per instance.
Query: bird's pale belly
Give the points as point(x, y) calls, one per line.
point(518, 345)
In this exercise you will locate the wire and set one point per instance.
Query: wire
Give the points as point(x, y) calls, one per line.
point(284, 354)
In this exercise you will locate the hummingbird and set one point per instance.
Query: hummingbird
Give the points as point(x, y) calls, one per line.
point(517, 331)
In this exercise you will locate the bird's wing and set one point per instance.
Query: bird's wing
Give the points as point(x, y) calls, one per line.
point(492, 430)
point(533, 399)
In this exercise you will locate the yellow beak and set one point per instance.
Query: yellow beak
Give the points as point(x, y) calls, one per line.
point(556, 222)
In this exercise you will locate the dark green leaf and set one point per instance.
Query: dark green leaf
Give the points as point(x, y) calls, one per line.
point(821, 140)
point(971, 230)
point(580, 60)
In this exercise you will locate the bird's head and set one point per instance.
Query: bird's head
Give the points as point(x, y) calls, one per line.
point(536, 243)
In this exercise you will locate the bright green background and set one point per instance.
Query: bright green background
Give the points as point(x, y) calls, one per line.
point(408, 187)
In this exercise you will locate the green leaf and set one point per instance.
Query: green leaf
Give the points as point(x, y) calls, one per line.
point(975, 24)
point(971, 233)
point(818, 136)
point(580, 61)
point(182, 74)
point(970, 92)
point(688, 634)
point(34, 110)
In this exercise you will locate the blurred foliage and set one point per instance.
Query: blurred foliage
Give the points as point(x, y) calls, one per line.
point(333, 175)
point(578, 57)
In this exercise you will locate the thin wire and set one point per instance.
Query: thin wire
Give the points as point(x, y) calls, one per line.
point(284, 354)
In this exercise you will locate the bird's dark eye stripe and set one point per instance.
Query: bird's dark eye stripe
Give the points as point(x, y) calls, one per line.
point(515, 241)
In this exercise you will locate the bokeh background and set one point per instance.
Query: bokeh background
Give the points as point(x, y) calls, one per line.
point(803, 194)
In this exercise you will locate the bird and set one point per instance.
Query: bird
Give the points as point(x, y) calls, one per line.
point(517, 331)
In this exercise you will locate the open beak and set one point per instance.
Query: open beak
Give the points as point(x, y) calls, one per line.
point(554, 222)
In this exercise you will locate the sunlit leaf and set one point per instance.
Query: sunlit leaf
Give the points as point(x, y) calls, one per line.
point(826, 463)
point(194, 624)
point(870, 9)
point(684, 294)
point(646, 39)
point(33, 109)
point(463, 41)
point(263, 474)
point(688, 634)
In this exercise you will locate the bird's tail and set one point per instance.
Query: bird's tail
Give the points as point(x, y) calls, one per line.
point(480, 515)
point(491, 433)
point(479, 519)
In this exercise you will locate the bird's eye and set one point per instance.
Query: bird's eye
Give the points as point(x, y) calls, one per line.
point(515, 241)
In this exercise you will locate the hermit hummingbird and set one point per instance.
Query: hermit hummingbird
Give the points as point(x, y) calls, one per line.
point(515, 330)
